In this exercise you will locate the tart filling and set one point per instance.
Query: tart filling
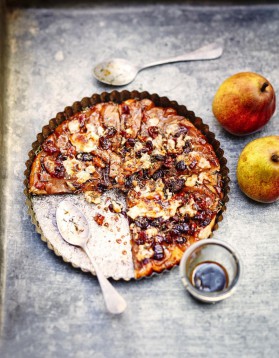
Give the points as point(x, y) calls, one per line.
point(168, 171)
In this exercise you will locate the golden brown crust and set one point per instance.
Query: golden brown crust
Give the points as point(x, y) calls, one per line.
point(164, 163)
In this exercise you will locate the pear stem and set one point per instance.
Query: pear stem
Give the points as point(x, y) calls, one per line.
point(275, 158)
point(264, 86)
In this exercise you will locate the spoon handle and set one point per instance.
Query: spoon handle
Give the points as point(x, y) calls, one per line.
point(114, 301)
point(208, 52)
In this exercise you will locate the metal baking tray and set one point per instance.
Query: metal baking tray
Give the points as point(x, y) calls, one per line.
point(48, 307)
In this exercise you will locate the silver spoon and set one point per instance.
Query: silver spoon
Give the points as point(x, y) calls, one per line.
point(74, 229)
point(119, 72)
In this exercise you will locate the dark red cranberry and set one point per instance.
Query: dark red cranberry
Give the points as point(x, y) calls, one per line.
point(130, 142)
point(168, 162)
point(187, 147)
point(141, 238)
point(81, 119)
point(192, 228)
point(59, 171)
point(145, 173)
point(206, 222)
point(157, 222)
point(158, 252)
point(153, 131)
point(181, 131)
point(61, 157)
point(104, 143)
point(149, 145)
point(175, 185)
point(181, 166)
point(182, 228)
point(200, 215)
point(203, 217)
point(110, 132)
point(129, 182)
point(142, 222)
point(111, 208)
point(159, 157)
point(141, 152)
point(50, 147)
point(158, 174)
point(201, 203)
point(180, 240)
point(186, 217)
point(84, 157)
point(168, 239)
point(193, 164)
point(173, 233)
point(102, 187)
point(99, 219)
point(125, 109)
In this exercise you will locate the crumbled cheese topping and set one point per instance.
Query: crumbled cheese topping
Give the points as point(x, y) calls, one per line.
point(188, 209)
point(154, 209)
point(145, 160)
point(91, 127)
point(82, 176)
point(145, 252)
point(180, 142)
point(92, 197)
point(158, 142)
point(74, 126)
point(138, 146)
point(191, 181)
point(153, 122)
point(151, 232)
point(72, 166)
point(117, 207)
point(171, 144)
point(90, 169)
point(62, 142)
point(100, 131)
point(203, 163)
point(85, 142)
point(172, 128)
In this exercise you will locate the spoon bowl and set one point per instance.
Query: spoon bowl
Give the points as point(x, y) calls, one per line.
point(72, 224)
point(74, 229)
point(116, 72)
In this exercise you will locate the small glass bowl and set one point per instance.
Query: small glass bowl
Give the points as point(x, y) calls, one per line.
point(216, 251)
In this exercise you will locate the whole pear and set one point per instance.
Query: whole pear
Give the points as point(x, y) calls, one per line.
point(244, 103)
point(258, 169)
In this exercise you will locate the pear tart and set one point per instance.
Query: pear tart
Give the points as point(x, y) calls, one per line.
point(166, 167)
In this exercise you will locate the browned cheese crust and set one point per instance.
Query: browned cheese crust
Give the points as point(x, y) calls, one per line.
point(165, 165)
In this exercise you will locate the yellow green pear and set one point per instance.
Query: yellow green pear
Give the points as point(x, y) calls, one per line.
point(258, 169)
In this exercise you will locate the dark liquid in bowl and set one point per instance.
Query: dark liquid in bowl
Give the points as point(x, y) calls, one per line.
point(210, 277)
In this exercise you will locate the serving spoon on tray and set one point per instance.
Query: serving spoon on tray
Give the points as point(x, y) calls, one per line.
point(120, 72)
point(74, 228)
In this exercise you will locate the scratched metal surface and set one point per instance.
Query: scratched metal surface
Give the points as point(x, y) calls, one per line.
point(50, 309)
